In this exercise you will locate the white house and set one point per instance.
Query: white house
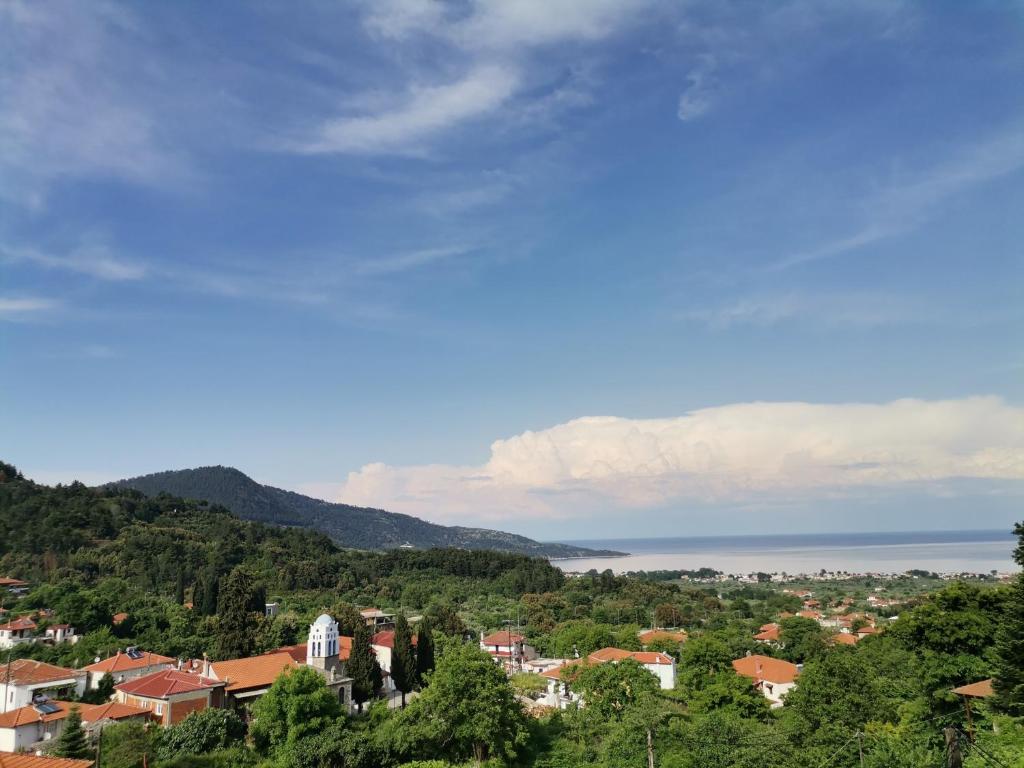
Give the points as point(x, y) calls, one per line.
point(25, 727)
point(561, 694)
point(383, 644)
point(508, 648)
point(15, 631)
point(24, 679)
point(60, 633)
point(127, 666)
point(773, 677)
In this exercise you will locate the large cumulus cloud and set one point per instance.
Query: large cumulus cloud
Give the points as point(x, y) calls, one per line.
point(739, 452)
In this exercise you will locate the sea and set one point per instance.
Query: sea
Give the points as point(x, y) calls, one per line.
point(943, 552)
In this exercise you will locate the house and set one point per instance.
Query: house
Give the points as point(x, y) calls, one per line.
point(773, 677)
point(248, 679)
point(42, 721)
point(661, 665)
point(14, 586)
point(865, 632)
point(383, 644)
point(170, 695)
point(15, 631)
point(507, 647)
point(559, 678)
point(59, 633)
point(270, 610)
point(127, 666)
point(8, 760)
point(24, 679)
point(843, 638)
point(118, 618)
point(769, 634)
point(660, 635)
point(377, 620)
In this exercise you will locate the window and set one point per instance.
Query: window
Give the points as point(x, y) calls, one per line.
point(159, 709)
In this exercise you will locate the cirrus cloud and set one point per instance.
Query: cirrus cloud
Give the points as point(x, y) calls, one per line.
point(738, 453)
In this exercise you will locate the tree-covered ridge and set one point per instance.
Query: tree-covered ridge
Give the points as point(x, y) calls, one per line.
point(349, 526)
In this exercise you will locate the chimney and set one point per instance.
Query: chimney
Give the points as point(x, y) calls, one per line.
point(206, 665)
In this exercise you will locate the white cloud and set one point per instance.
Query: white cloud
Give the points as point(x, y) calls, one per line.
point(426, 111)
point(697, 99)
point(403, 262)
point(848, 310)
point(12, 307)
point(740, 452)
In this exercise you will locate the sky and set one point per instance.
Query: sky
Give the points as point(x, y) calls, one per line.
point(569, 269)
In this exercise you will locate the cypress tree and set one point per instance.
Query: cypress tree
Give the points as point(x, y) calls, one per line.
point(240, 607)
point(361, 666)
point(1009, 680)
point(72, 742)
point(179, 587)
point(424, 650)
point(211, 593)
point(403, 658)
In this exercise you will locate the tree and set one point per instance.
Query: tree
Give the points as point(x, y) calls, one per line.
point(403, 658)
point(668, 615)
point(471, 706)
point(179, 587)
point(240, 608)
point(126, 745)
point(1009, 680)
point(298, 704)
point(202, 732)
point(362, 666)
point(72, 742)
point(610, 689)
point(424, 650)
point(802, 639)
point(446, 620)
point(348, 618)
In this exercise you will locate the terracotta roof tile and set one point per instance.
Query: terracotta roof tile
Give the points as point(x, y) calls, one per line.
point(386, 639)
point(766, 668)
point(167, 682)
point(22, 760)
point(504, 637)
point(979, 690)
point(844, 638)
point(30, 672)
point(254, 672)
point(122, 662)
point(661, 634)
point(23, 622)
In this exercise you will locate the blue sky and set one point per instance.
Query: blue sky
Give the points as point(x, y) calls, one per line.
point(555, 267)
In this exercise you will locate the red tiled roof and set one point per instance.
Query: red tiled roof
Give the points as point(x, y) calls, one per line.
point(844, 638)
point(766, 668)
point(650, 657)
point(24, 622)
point(122, 662)
point(166, 682)
point(618, 654)
point(867, 631)
point(769, 634)
point(651, 635)
point(570, 666)
point(112, 710)
point(385, 639)
point(27, 715)
point(8, 582)
point(298, 652)
point(979, 690)
point(29, 672)
point(254, 672)
point(609, 654)
point(119, 618)
point(24, 760)
point(504, 637)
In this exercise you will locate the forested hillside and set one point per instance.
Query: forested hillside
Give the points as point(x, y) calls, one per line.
point(356, 527)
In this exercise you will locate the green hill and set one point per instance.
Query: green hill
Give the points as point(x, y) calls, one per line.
point(355, 527)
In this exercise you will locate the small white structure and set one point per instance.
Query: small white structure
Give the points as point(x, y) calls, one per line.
point(16, 631)
point(60, 633)
point(508, 648)
point(323, 640)
point(773, 677)
point(560, 693)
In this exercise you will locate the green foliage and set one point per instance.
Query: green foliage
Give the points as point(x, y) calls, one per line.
point(802, 639)
point(610, 689)
point(126, 745)
point(729, 692)
point(298, 704)
point(362, 666)
point(1009, 647)
point(201, 732)
point(72, 742)
point(470, 707)
point(240, 609)
point(424, 649)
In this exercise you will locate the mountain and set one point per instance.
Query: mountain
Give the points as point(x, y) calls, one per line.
point(356, 527)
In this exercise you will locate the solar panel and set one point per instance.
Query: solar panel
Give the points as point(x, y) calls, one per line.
point(46, 708)
point(134, 653)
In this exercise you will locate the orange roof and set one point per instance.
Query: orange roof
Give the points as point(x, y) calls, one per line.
point(254, 672)
point(27, 715)
point(298, 652)
point(609, 654)
point(8, 582)
point(385, 639)
point(769, 625)
point(504, 637)
point(979, 690)
point(556, 672)
point(23, 760)
point(20, 623)
point(771, 633)
point(809, 614)
point(650, 657)
point(844, 638)
point(30, 672)
point(122, 662)
point(766, 668)
point(651, 635)
point(167, 682)
point(119, 618)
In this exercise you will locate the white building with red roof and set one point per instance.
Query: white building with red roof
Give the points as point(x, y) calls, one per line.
point(171, 695)
point(126, 666)
point(23, 679)
point(508, 647)
point(560, 678)
point(32, 726)
point(16, 631)
point(773, 677)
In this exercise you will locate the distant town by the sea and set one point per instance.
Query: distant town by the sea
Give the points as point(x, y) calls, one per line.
point(942, 552)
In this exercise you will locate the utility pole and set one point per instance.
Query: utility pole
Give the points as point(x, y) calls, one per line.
point(650, 749)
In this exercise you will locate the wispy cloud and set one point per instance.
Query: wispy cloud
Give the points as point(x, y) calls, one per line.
point(826, 309)
point(426, 112)
point(93, 260)
point(403, 262)
point(698, 97)
point(905, 203)
point(15, 307)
